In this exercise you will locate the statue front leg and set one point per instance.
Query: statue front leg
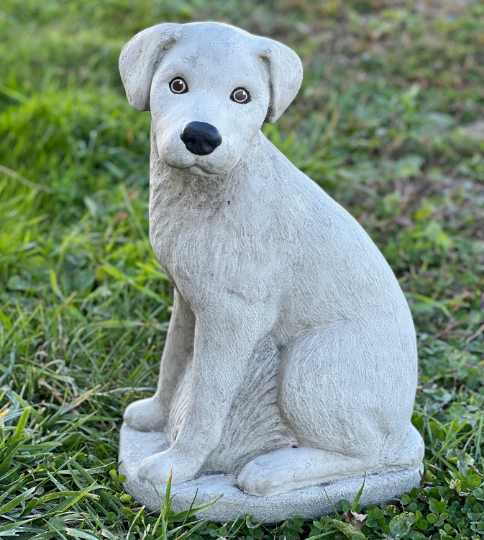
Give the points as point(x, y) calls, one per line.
point(224, 345)
point(151, 414)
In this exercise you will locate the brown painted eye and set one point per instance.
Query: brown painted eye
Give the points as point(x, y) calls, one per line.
point(240, 95)
point(178, 86)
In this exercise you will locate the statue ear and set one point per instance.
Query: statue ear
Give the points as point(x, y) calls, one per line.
point(285, 76)
point(141, 57)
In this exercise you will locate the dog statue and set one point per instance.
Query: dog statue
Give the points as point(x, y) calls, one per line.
point(291, 356)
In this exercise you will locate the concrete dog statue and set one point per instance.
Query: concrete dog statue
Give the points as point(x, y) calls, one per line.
point(291, 357)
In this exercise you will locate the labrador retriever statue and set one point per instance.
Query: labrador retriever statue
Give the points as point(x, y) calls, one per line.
point(291, 355)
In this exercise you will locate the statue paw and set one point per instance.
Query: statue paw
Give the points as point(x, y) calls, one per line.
point(256, 479)
point(156, 469)
point(145, 415)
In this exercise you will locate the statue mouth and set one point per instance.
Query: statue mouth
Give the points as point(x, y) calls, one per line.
point(197, 170)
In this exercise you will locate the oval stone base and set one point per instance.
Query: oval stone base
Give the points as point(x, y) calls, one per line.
point(311, 501)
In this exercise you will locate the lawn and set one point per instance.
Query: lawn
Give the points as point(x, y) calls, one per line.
point(389, 120)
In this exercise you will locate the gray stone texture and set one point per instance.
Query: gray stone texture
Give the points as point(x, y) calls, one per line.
point(291, 356)
point(311, 501)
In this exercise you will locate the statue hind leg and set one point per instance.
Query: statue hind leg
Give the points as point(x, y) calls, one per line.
point(341, 409)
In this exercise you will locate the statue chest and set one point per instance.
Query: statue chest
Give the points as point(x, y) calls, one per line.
point(188, 239)
point(177, 242)
point(206, 253)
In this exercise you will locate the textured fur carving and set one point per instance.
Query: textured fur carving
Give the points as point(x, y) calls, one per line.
point(291, 356)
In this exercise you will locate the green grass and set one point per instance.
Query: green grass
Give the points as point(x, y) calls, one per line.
point(387, 121)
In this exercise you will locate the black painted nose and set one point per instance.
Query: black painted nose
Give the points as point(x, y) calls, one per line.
point(200, 138)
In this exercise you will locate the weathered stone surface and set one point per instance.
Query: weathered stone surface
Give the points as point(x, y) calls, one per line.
point(310, 501)
point(291, 357)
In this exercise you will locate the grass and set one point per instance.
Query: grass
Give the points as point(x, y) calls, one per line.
point(389, 121)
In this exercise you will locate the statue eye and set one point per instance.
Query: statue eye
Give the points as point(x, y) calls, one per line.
point(240, 95)
point(178, 86)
